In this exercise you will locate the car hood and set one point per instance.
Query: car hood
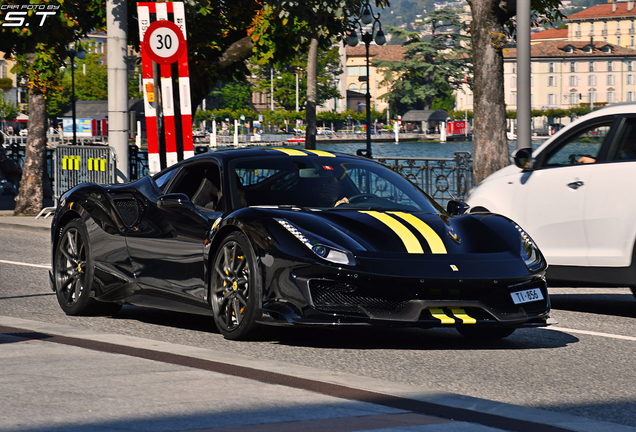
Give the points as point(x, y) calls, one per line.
point(374, 233)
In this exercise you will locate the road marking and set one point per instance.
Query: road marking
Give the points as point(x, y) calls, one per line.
point(25, 264)
point(593, 333)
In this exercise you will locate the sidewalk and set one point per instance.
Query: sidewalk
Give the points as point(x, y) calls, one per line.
point(7, 204)
point(61, 378)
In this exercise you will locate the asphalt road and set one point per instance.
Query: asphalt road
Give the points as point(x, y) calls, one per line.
point(583, 366)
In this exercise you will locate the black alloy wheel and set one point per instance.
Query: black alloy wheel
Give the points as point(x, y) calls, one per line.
point(235, 289)
point(73, 273)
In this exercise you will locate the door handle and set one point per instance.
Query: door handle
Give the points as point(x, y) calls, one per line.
point(576, 184)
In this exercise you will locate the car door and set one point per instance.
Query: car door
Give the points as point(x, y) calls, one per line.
point(167, 246)
point(550, 199)
point(610, 209)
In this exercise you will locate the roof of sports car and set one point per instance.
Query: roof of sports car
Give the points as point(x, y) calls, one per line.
point(228, 154)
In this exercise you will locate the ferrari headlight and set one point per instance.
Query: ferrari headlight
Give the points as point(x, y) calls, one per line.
point(529, 251)
point(319, 246)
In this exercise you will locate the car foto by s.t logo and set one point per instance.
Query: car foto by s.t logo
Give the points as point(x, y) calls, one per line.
point(18, 15)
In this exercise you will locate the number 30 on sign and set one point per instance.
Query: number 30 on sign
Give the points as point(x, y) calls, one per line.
point(164, 42)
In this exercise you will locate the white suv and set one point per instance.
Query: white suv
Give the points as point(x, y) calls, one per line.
point(576, 196)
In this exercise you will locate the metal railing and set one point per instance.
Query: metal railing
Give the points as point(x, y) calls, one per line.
point(443, 179)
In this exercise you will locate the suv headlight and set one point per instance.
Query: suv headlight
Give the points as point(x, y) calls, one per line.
point(321, 247)
point(529, 251)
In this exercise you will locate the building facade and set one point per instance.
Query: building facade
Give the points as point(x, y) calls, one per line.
point(613, 23)
point(567, 73)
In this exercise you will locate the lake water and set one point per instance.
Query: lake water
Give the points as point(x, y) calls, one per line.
point(425, 149)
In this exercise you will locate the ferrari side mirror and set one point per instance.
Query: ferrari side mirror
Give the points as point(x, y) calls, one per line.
point(456, 208)
point(175, 200)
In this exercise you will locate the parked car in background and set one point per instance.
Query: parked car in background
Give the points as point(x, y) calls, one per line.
point(575, 196)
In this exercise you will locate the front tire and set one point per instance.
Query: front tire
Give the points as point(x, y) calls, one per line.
point(235, 290)
point(73, 272)
point(485, 333)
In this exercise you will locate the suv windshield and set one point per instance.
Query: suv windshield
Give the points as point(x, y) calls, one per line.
point(325, 183)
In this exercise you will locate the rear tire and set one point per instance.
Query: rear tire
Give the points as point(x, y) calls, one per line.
point(485, 333)
point(73, 273)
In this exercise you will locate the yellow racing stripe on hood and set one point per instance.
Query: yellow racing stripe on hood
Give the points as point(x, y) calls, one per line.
point(291, 152)
point(411, 243)
point(434, 240)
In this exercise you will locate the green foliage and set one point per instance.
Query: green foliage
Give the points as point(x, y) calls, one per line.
point(233, 96)
point(461, 114)
point(8, 111)
point(430, 70)
point(94, 84)
point(285, 79)
point(6, 83)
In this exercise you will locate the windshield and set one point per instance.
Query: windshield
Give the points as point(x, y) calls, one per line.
point(325, 183)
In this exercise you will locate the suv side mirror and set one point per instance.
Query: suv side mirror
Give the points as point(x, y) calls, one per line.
point(522, 158)
point(456, 208)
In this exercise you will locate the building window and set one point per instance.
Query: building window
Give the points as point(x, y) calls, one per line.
point(618, 40)
point(550, 67)
point(631, 41)
point(551, 81)
point(611, 80)
point(574, 98)
point(591, 66)
point(3, 70)
point(611, 98)
point(629, 97)
point(552, 99)
point(514, 68)
point(513, 99)
point(531, 81)
point(591, 80)
point(629, 79)
point(353, 87)
point(609, 66)
point(573, 67)
point(513, 82)
point(573, 80)
point(356, 70)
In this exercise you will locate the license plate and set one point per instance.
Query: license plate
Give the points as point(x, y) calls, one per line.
point(526, 296)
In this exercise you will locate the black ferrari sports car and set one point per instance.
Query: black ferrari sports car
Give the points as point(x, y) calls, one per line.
point(278, 236)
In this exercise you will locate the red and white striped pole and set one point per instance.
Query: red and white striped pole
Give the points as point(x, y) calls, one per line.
point(158, 45)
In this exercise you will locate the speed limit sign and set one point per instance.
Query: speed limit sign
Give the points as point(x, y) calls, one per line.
point(164, 42)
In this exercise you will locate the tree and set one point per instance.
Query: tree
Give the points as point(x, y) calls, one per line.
point(285, 79)
point(430, 70)
point(491, 26)
point(307, 25)
point(233, 95)
point(37, 42)
point(92, 85)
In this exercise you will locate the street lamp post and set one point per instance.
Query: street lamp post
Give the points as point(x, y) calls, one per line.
point(80, 54)
point(367, 36)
